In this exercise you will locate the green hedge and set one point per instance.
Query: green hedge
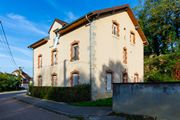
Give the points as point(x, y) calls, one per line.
point(62, 94)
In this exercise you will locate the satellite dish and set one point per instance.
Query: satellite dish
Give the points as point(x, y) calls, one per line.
point(56, 40)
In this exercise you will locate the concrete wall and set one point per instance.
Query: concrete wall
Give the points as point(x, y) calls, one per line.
point(161, 100)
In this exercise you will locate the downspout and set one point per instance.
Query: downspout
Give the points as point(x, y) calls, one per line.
point(90, 53)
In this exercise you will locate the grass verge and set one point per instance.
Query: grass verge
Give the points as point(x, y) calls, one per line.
point(99, 103)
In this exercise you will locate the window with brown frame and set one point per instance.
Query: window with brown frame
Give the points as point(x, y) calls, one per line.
point(54, 79)
point(115, 28)
point(74, 78)
point(40, 61)
point(132, 37)
point(125, 77)
point(54, 57)
point(136, 77)
point(125, 55)
point(75, 51)
point(109, 80)
point(39, 80)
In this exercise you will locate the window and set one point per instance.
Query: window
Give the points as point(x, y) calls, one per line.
point(54, 57)
point(54, 79)
point(75, 51)
point(115, 28)
point(74, 78)
point(125, 77)
point(40, 61)
point(109, 77)
point(136, 77)
point(132, 37)
point(39, 80)
point(125, 55)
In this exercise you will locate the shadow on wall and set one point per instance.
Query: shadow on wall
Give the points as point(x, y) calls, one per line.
point(119, 74)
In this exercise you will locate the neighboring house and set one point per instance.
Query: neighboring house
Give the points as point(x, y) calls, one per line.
point(25, 77)
point(103, 47)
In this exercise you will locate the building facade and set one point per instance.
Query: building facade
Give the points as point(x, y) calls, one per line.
point(103, 47)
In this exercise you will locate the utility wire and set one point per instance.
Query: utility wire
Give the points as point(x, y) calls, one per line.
point(6, 41)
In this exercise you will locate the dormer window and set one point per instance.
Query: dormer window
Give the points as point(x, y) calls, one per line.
point(75, 51)
point(54, 57)
point(115, 28)
point(132, 37)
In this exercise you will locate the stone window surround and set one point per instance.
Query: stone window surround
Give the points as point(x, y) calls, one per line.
point(71, 76)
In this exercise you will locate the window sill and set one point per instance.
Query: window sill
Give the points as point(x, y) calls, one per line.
point(115, 36)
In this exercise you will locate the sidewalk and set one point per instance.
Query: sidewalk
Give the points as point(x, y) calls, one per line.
point(92, 113)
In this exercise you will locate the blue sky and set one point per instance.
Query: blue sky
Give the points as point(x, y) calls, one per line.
point(26, 21)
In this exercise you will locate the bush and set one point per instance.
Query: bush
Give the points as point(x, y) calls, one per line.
point(62, 94)
point(9, 82)
point(161, 68)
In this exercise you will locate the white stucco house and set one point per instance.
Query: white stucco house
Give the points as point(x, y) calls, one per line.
point(102, 47)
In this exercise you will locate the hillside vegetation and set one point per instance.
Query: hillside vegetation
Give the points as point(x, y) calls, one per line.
point(161, 68)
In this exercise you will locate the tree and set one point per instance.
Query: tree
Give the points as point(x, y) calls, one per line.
point(160, 21)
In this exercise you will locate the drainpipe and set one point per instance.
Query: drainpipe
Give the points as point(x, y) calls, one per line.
point(65, 70)
point(90, 53)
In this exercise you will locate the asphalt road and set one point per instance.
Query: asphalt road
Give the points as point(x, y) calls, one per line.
point(12, 109)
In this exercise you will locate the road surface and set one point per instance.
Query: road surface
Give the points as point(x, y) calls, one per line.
point(12, 109)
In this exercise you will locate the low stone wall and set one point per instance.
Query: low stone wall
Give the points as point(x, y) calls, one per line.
point(161, 100)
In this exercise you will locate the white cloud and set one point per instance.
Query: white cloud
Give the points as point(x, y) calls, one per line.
point(21, 23)
point(71, 16)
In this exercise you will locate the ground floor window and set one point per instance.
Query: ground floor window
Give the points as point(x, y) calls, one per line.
point(54, 79)
point(109, 79)
point(75, 78)
point(125, 77)
point(136, 77)
point(39, 80)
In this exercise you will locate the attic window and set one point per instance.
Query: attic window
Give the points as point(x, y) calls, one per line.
point(132, 37)
point(115, 28)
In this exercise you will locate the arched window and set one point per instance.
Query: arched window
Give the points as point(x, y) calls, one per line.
point(125, 77)
point(74, 79)
point(136, 77)
point(125, 55)
point(54, 57)
point(54, 79)
point(39, 80)
point(39, 61)
point(132, 37)
point(75, 51)
point(115, 28)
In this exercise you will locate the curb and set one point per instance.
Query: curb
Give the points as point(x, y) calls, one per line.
point(39, 103)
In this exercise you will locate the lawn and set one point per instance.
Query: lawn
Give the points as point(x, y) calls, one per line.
point(100, 103)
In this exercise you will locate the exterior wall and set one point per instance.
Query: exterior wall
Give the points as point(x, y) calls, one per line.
point(109, 52)
point(159, 100)
point(64, 66)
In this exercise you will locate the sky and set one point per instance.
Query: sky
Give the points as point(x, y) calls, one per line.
point(27, 21)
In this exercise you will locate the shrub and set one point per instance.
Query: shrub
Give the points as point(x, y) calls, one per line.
point(9, 82)
point(63, 94)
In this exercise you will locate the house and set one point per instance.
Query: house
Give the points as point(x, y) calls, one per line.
point(103, 47)
point(25, 77)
